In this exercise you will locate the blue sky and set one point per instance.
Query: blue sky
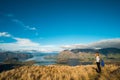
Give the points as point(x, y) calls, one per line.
point(59, 22)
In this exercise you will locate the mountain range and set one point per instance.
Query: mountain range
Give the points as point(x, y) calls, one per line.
point(102, 51)
point(16, 55)
point(88, 54)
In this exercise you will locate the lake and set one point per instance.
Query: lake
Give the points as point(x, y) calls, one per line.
point(40, 59)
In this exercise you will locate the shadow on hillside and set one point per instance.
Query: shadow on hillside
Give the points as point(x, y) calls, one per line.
point(96, 70)
point(5, 67)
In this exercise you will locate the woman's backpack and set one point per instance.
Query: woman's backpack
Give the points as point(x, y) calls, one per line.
point(102, 63)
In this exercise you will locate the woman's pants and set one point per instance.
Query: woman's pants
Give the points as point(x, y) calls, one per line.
point(98, 66)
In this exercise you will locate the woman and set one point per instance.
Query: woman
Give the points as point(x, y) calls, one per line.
point(98, 62)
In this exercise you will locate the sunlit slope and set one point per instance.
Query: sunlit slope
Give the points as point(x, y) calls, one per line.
point(56, 72)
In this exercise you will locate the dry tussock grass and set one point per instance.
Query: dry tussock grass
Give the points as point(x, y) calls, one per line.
point(56, 72)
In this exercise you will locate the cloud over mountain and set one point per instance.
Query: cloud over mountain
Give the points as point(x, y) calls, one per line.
point(27, 44)
point(96, 45)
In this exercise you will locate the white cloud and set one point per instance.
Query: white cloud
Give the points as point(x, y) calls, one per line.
point(26, 44)
point(51, 48)
point(31, 28)
point(106, 43)
point(20, 44)
point(96, 45)
point(19, 22)
point(23, 24)
point(74, 46)
point(4, 34)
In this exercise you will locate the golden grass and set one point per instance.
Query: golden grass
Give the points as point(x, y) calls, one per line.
point(57, 72)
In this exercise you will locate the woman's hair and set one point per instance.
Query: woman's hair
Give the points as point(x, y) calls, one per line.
point(97, 53)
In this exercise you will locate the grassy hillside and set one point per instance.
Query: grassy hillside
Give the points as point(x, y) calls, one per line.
point(57, 72)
